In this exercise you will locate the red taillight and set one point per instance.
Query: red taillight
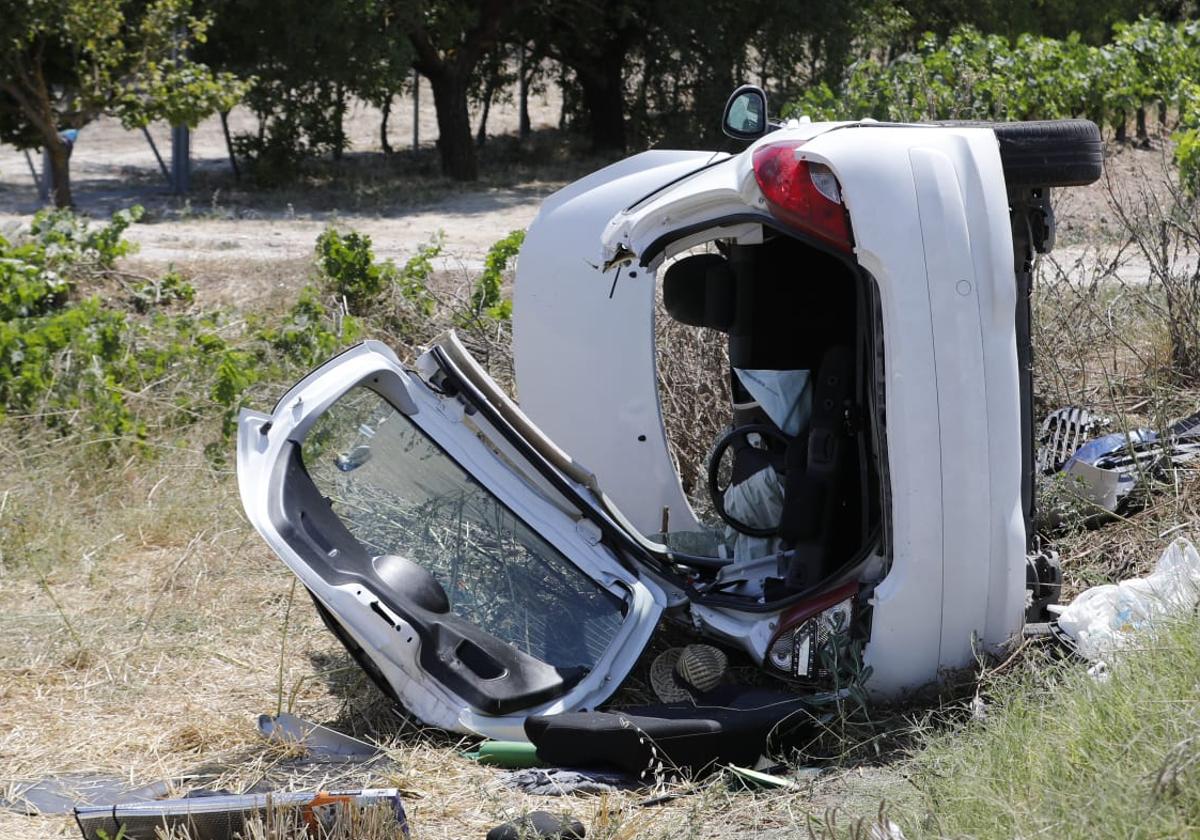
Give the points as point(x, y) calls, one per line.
point(802, 193)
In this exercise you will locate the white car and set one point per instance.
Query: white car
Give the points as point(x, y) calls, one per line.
point(486, 562)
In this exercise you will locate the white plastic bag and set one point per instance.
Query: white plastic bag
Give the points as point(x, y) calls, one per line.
point(1104, 618)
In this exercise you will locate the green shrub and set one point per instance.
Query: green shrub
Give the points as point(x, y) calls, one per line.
point(350, 272)
point(486, 299)
point(348, 265)
point(163, 291)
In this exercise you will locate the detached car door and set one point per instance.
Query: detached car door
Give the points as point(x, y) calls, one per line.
point(458, 572)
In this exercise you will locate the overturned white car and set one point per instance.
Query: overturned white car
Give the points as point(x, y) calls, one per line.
point(486, 562)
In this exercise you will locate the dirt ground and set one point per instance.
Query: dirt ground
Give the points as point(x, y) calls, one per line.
point(146, 625)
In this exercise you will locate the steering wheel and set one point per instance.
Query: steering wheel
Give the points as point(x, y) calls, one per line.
point(717, 492)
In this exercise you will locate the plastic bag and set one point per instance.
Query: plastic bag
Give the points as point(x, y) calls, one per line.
point(1105, 618)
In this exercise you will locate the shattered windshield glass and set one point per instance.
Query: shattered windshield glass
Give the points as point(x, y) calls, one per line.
point(398, 493)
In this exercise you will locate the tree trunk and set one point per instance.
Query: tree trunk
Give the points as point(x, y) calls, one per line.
point(383, 125)
point(604, 97)
point(1142, 136)
point(1119, 124)
point(60, 171)
point(237, 173)
point(488, 93)
point(454, 127)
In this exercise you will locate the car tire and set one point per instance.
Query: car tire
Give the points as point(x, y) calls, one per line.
point(1050, 153)
point(1046, 153)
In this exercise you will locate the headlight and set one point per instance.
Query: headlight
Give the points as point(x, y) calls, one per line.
point(795, 650)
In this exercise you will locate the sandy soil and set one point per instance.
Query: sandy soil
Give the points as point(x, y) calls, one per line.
point(212, 229)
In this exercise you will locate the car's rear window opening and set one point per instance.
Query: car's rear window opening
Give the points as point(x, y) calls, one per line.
point(764, 359)
point(399, 493)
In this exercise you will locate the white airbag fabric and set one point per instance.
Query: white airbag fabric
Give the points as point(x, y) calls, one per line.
point(785, 395)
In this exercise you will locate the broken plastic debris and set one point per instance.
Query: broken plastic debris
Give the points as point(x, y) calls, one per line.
point(1063, 432)
point(61, 794)
point(1104, 619)
point(319, 741)
point(756, 779)
point(510, 754)
point(222, 817)
point(1109, 468)
point(563, 782)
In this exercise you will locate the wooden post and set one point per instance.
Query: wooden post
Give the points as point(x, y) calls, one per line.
point(43, 193)
point(154, 148)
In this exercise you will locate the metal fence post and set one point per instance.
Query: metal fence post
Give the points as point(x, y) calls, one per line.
point(416, 111)
point(181, 159)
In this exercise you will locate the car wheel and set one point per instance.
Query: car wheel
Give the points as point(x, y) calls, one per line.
point(1050, 153)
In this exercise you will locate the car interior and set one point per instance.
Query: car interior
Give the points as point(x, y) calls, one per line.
point(795, 317)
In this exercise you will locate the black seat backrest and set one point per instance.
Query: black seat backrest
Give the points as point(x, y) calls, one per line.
point(699, 290)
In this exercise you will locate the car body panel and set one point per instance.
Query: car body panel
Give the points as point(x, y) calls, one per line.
point(929, 215)
point(583, 340)
point(267, 441)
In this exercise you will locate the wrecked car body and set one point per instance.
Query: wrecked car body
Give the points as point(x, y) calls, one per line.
point(486, 562)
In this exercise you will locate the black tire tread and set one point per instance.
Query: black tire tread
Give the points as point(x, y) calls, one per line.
point(1050, 153)
point(1046, 153)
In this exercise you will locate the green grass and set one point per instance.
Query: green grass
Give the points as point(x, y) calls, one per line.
point(1062, 754)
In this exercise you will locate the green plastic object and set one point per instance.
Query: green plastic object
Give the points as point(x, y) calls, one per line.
point(513, 755)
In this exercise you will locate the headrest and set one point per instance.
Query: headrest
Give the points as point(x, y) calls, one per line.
point(699, 291)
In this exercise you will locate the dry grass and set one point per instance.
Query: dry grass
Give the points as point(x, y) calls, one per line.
point(146, 624)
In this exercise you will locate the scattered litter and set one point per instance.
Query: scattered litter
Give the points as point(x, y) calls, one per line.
point(319, 741)
point(514, 755)
point(539, 824)
point(60, 794)
point(1063, 432)
point(1105, 618)
point(564, 781)
point(758, 780)
point(222, 817)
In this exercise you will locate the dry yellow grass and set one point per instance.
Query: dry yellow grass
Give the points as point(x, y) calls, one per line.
point(143, 622)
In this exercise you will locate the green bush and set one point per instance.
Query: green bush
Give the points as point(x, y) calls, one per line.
point(486, 299)
point(969, 75)
point(116, 368)
point(351, 273)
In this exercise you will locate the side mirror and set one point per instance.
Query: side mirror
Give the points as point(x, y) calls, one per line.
point(745, 115)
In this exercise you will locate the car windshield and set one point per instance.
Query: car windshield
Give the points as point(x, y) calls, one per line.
point(399, 493)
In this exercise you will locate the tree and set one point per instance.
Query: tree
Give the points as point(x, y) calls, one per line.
point(63, 63)
point(449, 39)
point(308, 58)
point(597, 42)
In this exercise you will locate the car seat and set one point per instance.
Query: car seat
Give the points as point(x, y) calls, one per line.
point(784, 308)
